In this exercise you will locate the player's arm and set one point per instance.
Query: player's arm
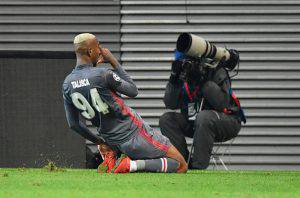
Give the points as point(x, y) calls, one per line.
point(75, 124)
point(123, 75)
point(118, 79)
point(115, 82)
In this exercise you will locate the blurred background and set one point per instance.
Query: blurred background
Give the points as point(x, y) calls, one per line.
point(36, 54)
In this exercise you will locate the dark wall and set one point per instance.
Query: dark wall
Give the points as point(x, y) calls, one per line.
point(33, 127)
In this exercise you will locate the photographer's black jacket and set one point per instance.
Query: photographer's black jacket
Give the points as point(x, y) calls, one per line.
point(215, 90)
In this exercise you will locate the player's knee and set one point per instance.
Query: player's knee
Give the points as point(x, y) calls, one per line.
point(175, 154)
point(183, 167)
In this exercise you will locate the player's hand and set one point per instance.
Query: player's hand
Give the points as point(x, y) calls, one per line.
point(100, 60)
point(106, 55)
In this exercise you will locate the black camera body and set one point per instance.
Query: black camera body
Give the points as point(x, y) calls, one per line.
point(193, 70)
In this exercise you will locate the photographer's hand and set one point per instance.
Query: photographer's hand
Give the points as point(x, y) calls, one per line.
point(176, 70)
point(172, 97)
point(233, 60)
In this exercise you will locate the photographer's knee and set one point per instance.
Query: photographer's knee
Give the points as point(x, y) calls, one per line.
point(204, 118)
point(165, 119)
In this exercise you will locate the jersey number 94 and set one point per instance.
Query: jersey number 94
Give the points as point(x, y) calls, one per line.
point(81, 103)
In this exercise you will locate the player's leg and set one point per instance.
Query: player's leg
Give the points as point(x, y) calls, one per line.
point(175, 126)
point(150, 152)
point(161, 147)
point(173, 163)
point(161, 165)
point(173, 153)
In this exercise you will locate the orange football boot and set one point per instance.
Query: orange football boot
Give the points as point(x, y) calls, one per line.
point(122, 165)
point(109, 160)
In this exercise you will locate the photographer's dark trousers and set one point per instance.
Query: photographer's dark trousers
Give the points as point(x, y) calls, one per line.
point(209, 127)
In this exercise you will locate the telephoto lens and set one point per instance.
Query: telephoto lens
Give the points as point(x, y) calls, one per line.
point(196, 46)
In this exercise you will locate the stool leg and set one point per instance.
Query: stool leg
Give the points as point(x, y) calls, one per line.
point(223, 164)
point(190, 154)
point(215, 163)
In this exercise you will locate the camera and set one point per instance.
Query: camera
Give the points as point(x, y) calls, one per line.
point(209, 54)
point(192, 70)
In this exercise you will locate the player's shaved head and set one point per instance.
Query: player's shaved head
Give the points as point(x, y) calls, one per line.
point(87, 48)
point(83, 37)
point(82, 42)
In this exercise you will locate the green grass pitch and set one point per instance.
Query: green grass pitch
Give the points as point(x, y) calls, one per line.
point(87, 183)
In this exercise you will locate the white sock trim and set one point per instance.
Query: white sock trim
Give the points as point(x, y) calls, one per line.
point(166, 164)
point(162, 164)
point(133, 166)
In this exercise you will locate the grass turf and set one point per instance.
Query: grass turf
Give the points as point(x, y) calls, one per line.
point(87, 183)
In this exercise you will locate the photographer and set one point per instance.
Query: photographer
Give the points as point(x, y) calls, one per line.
point(201, 88)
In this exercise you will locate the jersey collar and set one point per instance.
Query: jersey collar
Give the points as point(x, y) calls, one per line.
point(83, 66)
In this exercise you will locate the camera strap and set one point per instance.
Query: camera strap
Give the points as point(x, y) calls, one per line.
point(237, 102)
point(188, 92)
point(192, 105)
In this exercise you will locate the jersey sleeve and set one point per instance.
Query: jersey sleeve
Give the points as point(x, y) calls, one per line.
point(75, 124)
point(72, 115)
point(121, 82)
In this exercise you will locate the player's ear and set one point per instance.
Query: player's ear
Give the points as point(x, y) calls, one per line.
point(89, 52)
